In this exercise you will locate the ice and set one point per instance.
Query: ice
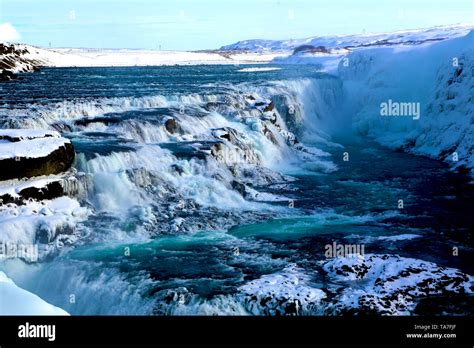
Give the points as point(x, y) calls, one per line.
point(41, 221)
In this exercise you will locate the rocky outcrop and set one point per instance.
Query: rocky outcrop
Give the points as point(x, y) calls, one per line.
point(29, 153)
point(15, 59)
point(311, 49)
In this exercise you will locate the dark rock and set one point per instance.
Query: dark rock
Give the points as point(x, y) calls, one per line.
point(172, 126)
point(239, 187)
point(269, 107)
point(310, 49)
point(177, 169)
point(52, 190)
point(105, 120)
point(61, 127)
point(7, 75)
point(56, 162)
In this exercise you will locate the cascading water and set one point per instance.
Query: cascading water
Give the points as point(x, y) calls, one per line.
point(207, 187)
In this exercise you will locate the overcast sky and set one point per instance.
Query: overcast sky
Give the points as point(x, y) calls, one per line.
point(201, 24)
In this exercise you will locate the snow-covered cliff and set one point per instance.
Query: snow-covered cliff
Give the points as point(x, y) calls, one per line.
point(438, 77)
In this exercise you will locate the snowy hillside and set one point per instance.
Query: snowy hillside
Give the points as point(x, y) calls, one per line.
point(408, 37)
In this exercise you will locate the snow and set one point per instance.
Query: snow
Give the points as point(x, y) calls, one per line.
point(17, 301)
point(33, 144)
point(288, 292)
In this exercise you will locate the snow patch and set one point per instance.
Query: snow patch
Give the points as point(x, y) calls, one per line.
point(288, 292)
point(17, 301)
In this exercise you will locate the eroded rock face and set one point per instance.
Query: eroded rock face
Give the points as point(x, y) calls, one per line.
point(30, 153)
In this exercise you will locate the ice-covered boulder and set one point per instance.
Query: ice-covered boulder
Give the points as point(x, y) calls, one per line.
point(30, 153)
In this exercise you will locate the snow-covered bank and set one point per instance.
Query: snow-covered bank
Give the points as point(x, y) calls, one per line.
point(17, 301)
point(433, 69)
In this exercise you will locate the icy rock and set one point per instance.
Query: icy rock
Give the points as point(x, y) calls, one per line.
point(30, 153)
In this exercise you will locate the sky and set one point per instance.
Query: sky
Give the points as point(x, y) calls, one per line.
point(209, 24)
